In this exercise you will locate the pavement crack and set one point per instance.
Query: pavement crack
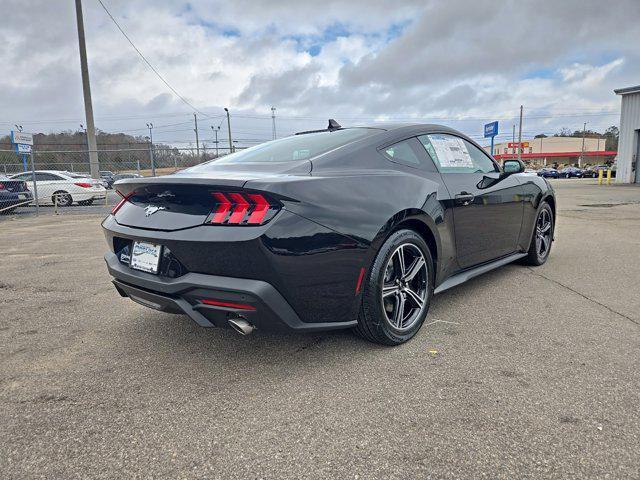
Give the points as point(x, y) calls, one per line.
point(636, 322)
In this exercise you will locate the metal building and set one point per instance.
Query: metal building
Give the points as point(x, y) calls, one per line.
point(629, 142)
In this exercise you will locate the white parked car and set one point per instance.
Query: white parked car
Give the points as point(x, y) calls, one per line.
point(66, 187)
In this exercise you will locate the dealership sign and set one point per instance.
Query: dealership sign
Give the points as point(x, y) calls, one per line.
point(21, 138)
point(491, 130)
point(22, 141)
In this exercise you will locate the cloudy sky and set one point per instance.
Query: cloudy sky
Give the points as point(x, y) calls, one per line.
point(461, 63)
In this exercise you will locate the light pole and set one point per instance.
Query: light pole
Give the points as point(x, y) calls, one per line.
point(195, 121)
point(520, 137)
point(581, 159)
point(229, 128)
point(85, 141)
point(273, 121)
point(153, 164)
point(216, 130)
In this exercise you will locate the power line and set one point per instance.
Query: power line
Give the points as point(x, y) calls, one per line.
point(147, 61)
point(373, 118)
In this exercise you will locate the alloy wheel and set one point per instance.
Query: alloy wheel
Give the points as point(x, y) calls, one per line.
point(543, 233)
point(404, 288)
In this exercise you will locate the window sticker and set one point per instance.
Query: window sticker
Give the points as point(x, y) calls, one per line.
point(451, 151)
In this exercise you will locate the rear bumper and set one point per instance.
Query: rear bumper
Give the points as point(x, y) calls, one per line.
point(9, 199)
point(266, 309)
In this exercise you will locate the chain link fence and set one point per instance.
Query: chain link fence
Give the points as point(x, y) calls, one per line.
point(59, 181)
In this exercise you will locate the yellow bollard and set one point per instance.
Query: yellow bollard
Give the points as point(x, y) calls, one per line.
point(609, 177)
point(600, 177)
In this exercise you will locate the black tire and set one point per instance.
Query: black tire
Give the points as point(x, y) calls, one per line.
point(535, 256)
point(373, 322)
point(64, 199)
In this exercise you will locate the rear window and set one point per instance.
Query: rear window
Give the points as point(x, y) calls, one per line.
point(291, 149)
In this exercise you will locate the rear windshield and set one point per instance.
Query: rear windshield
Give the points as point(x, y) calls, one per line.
point(291, 149)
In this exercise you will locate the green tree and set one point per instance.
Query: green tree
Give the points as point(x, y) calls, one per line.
point(611, 135)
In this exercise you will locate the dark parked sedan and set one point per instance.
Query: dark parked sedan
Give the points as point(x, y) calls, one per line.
point(548, 173)
point(107, 177)
point(339, 228)
point(571, 172)
point(13, 193)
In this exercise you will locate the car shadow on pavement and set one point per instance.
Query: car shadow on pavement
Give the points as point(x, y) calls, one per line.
point(180, 338)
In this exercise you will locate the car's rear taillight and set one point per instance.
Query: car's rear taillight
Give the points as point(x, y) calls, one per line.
point(83, 184)
point(1, 186)
point(121, 202)
point(241, 208)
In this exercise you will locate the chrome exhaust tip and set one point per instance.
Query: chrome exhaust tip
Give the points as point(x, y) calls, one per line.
point(241, 326)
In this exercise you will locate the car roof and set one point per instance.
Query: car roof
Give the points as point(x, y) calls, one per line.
point(61, 172)
point(57, 172)
point(409, 127)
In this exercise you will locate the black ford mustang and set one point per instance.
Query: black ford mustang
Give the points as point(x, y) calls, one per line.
point(339, 228)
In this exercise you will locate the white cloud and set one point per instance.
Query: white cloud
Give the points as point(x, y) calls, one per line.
point(460, 62)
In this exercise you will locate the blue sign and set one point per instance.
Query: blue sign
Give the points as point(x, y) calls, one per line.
point(491, 130)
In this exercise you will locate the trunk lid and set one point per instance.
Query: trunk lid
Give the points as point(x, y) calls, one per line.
point(185, 199)
point(13, 185)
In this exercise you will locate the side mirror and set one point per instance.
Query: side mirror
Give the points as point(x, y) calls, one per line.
point(512, 166)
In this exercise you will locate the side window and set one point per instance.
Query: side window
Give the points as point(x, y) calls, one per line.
point(44, 177)
point(452, 154)
point(403, 152)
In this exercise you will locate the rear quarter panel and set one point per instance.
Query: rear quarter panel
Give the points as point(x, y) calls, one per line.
point(366, 205)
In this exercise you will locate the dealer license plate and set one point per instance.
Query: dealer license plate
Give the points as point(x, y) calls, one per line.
point(145, 257)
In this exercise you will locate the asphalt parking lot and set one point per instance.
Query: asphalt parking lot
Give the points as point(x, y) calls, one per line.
point(521, 373)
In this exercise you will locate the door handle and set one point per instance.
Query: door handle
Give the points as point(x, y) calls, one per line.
point(464, 198)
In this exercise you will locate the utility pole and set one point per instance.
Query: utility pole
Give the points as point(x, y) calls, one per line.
point(195, 120)
point(513, 141)
point(273, 121)
point(215, 130)
point(86, 89)
point(520, 137)
point(581, 159)
point(153, 164)
point(229, 128)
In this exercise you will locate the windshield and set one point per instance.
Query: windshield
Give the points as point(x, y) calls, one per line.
point(291, 149)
